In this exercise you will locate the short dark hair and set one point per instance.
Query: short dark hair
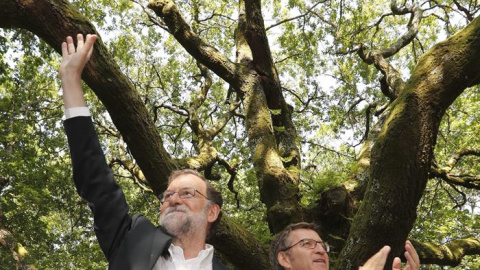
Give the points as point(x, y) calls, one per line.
point(281, 242)
point(212, 194)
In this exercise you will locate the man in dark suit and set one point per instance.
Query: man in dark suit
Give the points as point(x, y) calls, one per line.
point(190, 205)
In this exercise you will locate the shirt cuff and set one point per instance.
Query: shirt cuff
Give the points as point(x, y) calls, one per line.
point(76, 111)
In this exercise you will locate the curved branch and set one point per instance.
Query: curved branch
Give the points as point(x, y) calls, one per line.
point(459, 155)
point(232, 170)
point(368, 114)
point(393, 77)
point(413, 26)
point(207, 84)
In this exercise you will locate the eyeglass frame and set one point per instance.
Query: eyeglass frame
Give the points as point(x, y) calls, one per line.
point(162, 198)
point(324, 245)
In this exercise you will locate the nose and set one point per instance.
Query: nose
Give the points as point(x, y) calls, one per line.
point(320, 249)
point(174, 199)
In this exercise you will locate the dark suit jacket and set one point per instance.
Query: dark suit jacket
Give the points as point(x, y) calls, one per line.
point(127, 242)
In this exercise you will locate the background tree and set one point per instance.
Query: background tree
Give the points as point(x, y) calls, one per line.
point(356, 115)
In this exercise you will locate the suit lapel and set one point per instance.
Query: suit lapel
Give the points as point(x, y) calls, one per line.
point(160, 243)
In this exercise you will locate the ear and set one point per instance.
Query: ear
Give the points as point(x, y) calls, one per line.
point(213, 212)
point(284, 260)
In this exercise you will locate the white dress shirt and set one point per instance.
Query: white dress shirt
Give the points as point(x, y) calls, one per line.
point(176, 260)
point(76, 111)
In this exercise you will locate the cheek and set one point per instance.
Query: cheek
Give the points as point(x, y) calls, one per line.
point(193, 206)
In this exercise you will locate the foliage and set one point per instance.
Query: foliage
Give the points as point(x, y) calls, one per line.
point(326, 83)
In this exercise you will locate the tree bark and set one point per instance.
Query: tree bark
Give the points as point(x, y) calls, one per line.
point(402, 154)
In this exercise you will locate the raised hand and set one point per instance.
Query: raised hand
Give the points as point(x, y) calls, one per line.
point(413, 261)
point(377, 261)
point(74, 59)
point(70, 72)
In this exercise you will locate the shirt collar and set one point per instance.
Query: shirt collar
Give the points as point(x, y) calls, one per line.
point(204, 256)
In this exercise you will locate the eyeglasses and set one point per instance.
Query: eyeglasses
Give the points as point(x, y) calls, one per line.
point(183, 193)
point(310, 244)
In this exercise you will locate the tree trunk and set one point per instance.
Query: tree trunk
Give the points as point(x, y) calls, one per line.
point(402, 154)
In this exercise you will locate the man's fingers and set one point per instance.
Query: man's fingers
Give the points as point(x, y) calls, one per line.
point(89, 44)
point(79, 41)
point(84, 46)
point(397, 264)
point(64, 49)
point(377, 261)
point(412, 252)
point(70, 45)
point(413, 261)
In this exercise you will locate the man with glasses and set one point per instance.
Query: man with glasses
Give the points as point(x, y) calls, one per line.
point(190, 206)
point(299, 247)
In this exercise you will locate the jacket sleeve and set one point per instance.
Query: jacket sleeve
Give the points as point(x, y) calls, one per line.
point(94, 183)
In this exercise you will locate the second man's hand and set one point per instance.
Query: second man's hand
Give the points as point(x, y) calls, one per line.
point(377, 261)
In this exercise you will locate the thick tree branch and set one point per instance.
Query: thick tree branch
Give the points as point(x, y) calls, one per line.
point(450, 254)
point(193, 44)
point(235, 242)
point(266, 73)
point(256, 37)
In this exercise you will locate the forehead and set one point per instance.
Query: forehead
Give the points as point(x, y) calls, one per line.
point(299, 234)
point(187, 180)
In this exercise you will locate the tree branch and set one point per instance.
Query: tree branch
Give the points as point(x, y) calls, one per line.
point(192, 43)
point(393, 77)
point(134, 170)
point(450, 254)
point(468, 181)
point(309, 10)
point(464, 10)
point(456, 157)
